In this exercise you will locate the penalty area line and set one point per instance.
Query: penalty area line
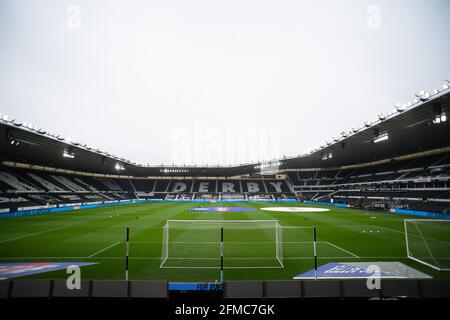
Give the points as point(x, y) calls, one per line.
point(109, 247)
point(33, 234)
point(346, 251)
point(159, 258)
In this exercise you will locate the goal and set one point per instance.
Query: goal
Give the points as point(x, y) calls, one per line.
point(198, 244)
point(428, 242)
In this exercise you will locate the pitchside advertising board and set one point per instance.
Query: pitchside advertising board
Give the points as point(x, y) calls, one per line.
point(334, 270)
point(14, 270)
point(195, 286)
point(363, 270)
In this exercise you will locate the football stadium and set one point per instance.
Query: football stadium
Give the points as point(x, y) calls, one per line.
point(363, 216)
point(296, 218)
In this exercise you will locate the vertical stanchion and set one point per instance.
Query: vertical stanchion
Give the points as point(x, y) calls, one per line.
point(315, 251)
point(127, 253)
point(221, 255)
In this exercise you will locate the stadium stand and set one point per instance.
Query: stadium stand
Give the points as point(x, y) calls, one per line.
point(39, 189)
point(410, 169)
point(421, 183)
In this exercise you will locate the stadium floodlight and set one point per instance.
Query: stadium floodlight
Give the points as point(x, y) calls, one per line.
point(440, 118)
point(68, 153)
point(381, 116)
point(400, 107)
point(381, 137)
point(423, 96)
point(10, 138)
point(119, 167)
point(428, 242)
point(420, 93)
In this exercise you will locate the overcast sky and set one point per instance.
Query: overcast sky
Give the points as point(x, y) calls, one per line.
point(215, 81)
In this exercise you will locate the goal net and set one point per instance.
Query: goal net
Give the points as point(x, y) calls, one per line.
point(246, 244)
point(428, 242)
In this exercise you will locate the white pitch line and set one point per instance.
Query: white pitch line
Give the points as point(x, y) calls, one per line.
point(33, 234)
point(159, 258)
point(245, 267)
point(388, 229)
point(213, 242)
point(354, 255)
point(109, 247)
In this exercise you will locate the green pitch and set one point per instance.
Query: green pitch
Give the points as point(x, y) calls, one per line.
point(98, 235)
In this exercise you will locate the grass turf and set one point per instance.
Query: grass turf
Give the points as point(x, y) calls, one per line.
point(97, 235)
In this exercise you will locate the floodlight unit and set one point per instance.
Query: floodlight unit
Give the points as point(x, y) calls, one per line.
point(68, 153)
point(119, 166)
point(9, 137)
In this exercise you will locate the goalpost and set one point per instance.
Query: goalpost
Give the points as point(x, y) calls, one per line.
point(238, 243)
point(428, 242)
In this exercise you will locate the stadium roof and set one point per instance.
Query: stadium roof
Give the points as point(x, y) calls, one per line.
point(411, 128)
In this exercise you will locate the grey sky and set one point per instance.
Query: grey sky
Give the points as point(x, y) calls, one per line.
point(179, 81)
